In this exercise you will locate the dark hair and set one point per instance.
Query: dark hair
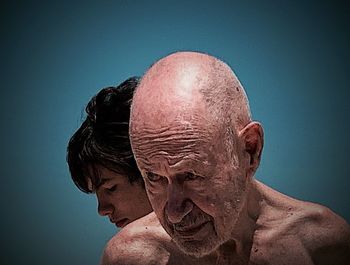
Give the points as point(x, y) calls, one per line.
point(103, 138)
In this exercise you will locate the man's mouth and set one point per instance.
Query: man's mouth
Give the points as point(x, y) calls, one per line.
point(196, 225)
point(190, 231)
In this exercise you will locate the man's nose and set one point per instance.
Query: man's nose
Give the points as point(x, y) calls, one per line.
point(178, 206)
point(104, 207)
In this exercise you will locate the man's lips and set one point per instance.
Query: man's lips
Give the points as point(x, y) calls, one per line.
point(187, 231)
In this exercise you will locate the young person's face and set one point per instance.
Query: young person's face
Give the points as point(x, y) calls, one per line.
point(120, 200)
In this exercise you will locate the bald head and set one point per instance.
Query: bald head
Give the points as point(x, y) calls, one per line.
point(195, 146)
point(187, 84)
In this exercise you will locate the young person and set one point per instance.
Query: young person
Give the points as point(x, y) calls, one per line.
point(100, 158)
point(101, 161)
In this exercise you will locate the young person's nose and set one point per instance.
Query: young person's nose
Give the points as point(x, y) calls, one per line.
point(104, 207)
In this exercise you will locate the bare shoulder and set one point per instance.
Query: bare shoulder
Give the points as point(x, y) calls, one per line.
point(322, 219)
point(325, 234)
point(315, 224)
point(140, 242)
point(300, 229)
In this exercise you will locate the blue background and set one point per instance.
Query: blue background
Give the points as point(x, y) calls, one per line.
point(292, 58)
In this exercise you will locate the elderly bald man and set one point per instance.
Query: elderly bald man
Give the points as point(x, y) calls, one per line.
point(198, 149)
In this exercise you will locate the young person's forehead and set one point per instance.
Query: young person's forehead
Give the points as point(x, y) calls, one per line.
point(98, 175)
point(106, 174)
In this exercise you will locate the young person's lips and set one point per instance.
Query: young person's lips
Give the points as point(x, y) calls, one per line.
point(121, 222)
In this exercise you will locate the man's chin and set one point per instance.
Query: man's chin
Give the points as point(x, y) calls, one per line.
point(195, 248)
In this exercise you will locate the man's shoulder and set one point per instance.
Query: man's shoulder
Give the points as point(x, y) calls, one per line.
point(140, 242)
point(300, 228)
point(317, 226)
point(325, 234)
point(312, 223)
point(317, 223)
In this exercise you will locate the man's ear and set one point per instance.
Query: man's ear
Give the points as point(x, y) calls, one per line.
point(253, 139)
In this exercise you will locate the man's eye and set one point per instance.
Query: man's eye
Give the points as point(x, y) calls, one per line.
point(153, 177)
point(113, 188)
point(191, 176)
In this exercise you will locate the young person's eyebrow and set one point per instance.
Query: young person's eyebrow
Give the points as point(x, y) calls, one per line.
point(102, 182)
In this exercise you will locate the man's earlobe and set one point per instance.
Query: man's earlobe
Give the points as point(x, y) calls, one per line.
point(253, 139)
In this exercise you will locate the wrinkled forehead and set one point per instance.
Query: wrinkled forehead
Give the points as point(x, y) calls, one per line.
point(185, 141)
point(157, 117)
point(169, 116)
point(171, 129)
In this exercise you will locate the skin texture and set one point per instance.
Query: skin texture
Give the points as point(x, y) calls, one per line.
point(198, 149)
point(123, 202)
point(144, 241)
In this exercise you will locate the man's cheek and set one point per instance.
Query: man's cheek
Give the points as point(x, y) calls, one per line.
point(156, 197)
point(205, 200)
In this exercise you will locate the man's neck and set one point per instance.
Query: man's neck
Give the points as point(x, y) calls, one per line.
point(243, 234)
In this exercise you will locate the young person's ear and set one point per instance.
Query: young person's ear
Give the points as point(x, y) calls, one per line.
point(253, 139)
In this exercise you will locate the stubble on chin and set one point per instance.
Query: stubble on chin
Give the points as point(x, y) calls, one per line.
point(199, 248)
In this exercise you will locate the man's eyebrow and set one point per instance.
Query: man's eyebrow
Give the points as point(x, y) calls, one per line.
point(149, 168)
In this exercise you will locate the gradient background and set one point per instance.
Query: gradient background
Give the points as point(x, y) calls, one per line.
point(293, 60)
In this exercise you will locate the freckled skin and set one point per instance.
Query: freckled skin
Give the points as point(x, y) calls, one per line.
point(198, 157)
